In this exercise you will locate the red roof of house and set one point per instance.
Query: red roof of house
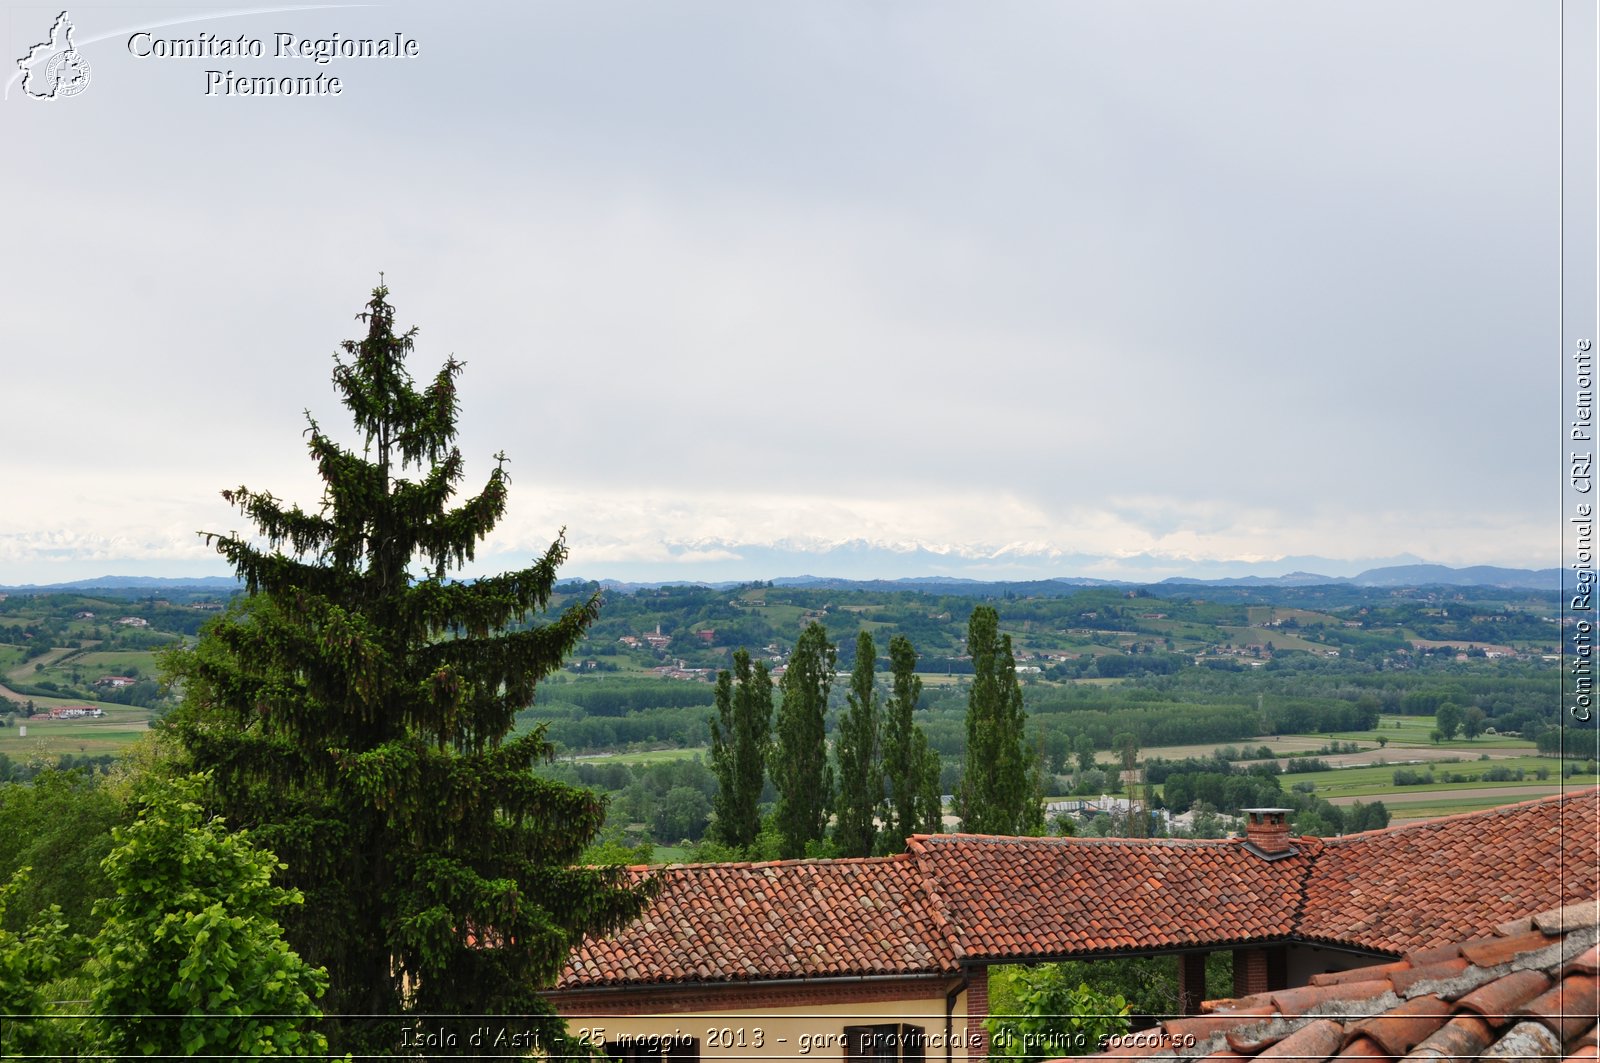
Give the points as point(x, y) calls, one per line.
point(1428, 882)
point(965, 897)
point(1530, 988)
point(718, 922)
point(1043, 896)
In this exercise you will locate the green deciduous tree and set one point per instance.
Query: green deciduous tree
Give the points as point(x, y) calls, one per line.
point(1083, 751)
point(741, 737)
point(190, 959)
point(1472, 722)
point(800, 768)
point(999, 792)
point(28, 960)
point(1126, 745)
point(357, 712)
point(1448, 719)
point(861, 765)
point(909, 765)
point(60, 825)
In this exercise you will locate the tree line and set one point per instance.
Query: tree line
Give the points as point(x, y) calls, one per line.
point(882, 783)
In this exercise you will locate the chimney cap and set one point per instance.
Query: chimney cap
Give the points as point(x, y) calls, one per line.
point(1263, 811)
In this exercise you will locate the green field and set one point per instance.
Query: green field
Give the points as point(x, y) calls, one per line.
point(1450, 806)
point(648, 756)
point(1411, 748)
point(1280, 639)
point(1414, 731)
point(121, 726)
point(1378, 780)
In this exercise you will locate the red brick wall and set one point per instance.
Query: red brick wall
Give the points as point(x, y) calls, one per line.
point(1191, 982)
point(1249, 972)
point(977, 1011)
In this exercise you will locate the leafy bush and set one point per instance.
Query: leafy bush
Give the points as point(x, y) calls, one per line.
point(1051, 1017)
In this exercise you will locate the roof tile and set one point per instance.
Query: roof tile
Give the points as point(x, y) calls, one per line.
point(1495, 951)
point(1364, 1048)
point(1399, 890)
point(1443, 972)
point(1579, 916)
point(1569, 1007)
point(956, 898)
point(1463, 1037)
point(1499, 999)
point(1309, 998)
point(1398, 1029)
point(1317, 1040)
point(1360, 974)
point(1525, 1040)
point(1203, 1026)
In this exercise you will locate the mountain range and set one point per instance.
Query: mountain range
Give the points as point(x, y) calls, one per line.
point(1387, 576)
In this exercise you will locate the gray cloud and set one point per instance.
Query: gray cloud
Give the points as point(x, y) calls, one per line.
point(1210, 282)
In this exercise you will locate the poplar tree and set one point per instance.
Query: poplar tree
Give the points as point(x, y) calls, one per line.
point(800, 768)
point(357, 714)
point(741, 736)
point(909, 766)
point(860, 762)
point(999, 791)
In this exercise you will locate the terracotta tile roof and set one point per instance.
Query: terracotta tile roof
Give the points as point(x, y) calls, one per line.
point(721, 922)
point(1044, 896)
point(1450, 896)
point(1536, 1000)
point(1413, 886)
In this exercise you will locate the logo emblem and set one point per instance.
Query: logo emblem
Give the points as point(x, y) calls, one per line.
point(54, 69)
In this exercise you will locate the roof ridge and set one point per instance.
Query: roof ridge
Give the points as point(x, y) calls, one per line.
point(1021, 839)
point(746, 865)
point(938, 906)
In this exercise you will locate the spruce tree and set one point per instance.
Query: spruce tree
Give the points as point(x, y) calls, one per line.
point(741, 736)
point(999, 791)
point(800, 768)
point(860, 762)
point(357, 714)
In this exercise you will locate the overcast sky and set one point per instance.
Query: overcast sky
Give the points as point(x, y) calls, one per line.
point(843, 287)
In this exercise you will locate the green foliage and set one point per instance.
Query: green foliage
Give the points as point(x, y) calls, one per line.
point(357, 711)
point(800, 768)
point(909, 764)
point(741, 736)
point(190, 959)
point(861, 767)
point(1052, 1014)
point(611, 848)
point(1448, 719)
point(28, 960)
point(681, 814)
point(999, 791)
point(60, 825)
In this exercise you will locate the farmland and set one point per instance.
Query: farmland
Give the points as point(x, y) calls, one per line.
point(1351, 677)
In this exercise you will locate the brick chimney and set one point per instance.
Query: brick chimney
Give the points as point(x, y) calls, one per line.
point(1267, 833)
